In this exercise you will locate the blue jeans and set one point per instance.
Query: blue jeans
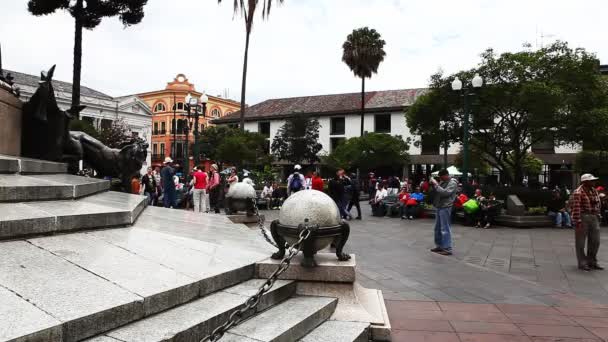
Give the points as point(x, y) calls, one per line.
point(443, 231)
point(170, 198)
point(560, 218)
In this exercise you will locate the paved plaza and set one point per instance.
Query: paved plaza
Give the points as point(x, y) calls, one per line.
point(500, 285)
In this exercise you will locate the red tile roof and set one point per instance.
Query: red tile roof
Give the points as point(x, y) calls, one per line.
point(375, 101)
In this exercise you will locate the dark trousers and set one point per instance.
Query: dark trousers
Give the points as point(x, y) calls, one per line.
point(170, 198)
point(214, 199)
point(354, 201)
point(408, 210)
point(588, 232)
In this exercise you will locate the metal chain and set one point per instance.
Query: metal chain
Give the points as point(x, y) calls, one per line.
point(252, 302)
point(263, 229)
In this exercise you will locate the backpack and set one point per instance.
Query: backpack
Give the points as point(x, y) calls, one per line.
point(296, 182)
point(471, 206)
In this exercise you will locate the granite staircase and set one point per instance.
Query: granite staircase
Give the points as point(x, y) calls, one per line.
point(81, 263)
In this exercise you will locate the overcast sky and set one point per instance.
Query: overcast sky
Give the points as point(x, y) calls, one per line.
point(297, 51)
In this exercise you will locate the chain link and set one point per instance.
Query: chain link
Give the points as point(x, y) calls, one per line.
point(263, 229)
point(252, 302)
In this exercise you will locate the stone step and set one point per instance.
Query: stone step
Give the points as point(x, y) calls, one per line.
point(73, 286)
point(197, 319)
point(338, 331)
point(12, 164)
point(286, 322)
point(41, 187)
point(106, 209)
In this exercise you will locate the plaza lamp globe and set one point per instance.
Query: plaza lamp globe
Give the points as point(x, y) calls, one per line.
point(477, 81)
point(456, 84)
point(192, 101)
point(204, 98)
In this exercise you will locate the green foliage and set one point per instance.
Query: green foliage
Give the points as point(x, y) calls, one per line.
point(91, 12)
point(371, 151)
point(527, 97)
point(267, 174)
point(117, 135)
point(84, 126)
point(475, 162)
point(595, 162)
point(298, 140)
point(230, 145)
point(363, 51)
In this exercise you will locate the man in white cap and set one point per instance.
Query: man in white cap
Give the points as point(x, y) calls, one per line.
point(586, 219)
point(296, 180)
point(166, 180)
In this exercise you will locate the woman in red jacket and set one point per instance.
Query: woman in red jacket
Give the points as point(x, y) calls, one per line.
point(317, 182)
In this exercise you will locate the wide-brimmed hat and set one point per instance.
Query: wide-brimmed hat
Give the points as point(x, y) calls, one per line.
point(297, 167)
point(168, 160)
point(588, 177)
point(214, 166)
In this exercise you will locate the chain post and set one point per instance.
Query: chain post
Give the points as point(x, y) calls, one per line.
point(261, 226)
point(252, 302)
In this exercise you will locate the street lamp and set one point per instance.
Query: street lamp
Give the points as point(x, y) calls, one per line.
point(476, 83)
point(195, 107)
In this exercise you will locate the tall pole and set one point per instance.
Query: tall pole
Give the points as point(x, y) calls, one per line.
point(362, 103)
point(194, 146)
point(174, 128)
point(445, 145)
point(465, 140)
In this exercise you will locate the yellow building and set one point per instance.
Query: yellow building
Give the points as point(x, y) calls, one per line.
point(170, 124)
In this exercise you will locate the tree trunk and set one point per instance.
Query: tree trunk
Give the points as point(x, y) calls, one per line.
point(244, 81)
point(77, 56)
point(362, 104)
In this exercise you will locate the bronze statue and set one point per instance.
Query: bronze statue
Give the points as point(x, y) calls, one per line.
point(46, 135)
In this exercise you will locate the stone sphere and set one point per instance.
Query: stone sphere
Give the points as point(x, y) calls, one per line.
point(313, 205)
point(241, 190)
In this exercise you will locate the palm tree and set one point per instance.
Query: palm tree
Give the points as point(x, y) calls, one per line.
point(88, 14)
point(248, 9)
point(363, 52)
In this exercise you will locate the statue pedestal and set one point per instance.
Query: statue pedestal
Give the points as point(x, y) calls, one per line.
point(10, 127)
point(336, 279)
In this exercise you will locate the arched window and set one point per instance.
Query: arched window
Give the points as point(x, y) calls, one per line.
point(178, 106)
point(160, 107)
point(216, 113)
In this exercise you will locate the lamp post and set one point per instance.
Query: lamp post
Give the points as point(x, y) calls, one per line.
point(476, 83)
point(195, 107)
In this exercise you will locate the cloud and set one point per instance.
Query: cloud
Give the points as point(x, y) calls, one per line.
point(297, 51)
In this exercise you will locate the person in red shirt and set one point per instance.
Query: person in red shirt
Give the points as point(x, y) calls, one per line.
point(199, 195)
point(317, 182)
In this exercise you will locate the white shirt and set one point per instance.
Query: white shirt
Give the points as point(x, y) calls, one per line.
point(380, 194)
point(267, 191)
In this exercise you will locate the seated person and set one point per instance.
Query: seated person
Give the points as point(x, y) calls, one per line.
point(267, 191)
point(409, 203)
point(460, 200)
point(478, 216)
point(489, 208)
point(381, 193)
point(556, 209)
point(278, 196)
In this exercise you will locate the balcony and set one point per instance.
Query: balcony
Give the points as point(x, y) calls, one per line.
point(179, 131)
point(159, 132)
point(158, 157)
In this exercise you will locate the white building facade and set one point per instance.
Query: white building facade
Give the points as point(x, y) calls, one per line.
point(339, 117)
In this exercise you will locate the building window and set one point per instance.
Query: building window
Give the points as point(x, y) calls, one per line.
point(160, 107)
point(337, 126)
point(163, 128)
point(155, 131)
point(106, 124)
point(154, 148)
point(216, 113)
point(88, 120)
point(264, 128)
point(335, 142)
point(382, 123)
point(162, 149)
point(429, 145)
point(178, 106)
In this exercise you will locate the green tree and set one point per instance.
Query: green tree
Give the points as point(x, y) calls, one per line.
point(88, 14)
point(117, 135)
point(298, 140)
point(595, 162)
point(84, 126)
point(475, 162)
point(529, 96)
point(370, 151)
point(363, 51)
point(229, 145)
point(248, 9)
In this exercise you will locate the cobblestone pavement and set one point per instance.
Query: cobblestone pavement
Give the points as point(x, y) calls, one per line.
point(506, 277)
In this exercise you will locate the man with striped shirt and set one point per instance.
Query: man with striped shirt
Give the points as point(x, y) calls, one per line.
point(585, 217)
